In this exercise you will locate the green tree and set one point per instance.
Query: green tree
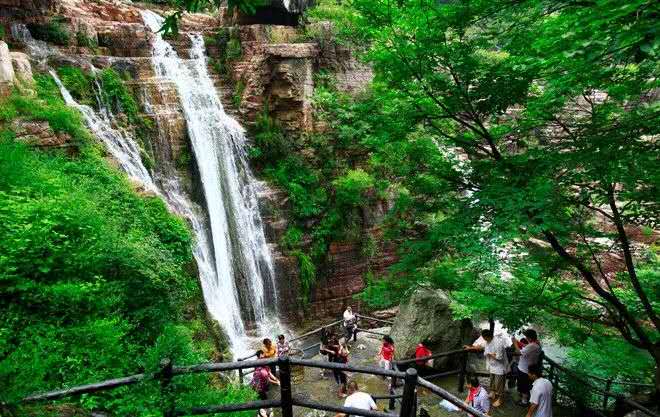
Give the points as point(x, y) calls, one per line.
point(524, 151)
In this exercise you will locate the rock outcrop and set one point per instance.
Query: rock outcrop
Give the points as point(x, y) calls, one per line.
point(427, 316)
point(22, 67)
point(40, 134)
point(6, 70)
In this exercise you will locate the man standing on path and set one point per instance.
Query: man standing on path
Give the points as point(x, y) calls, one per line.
point(496, 361)
point(357, 399)
point(350, 324)
point(540, 401)
point(530, 355)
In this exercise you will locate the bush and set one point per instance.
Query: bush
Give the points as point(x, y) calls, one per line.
point(85, 41)
point(94, 279)
point(53, 31)
point(351, 189)
point(79, 84)
point(233, 50)
point(117, 96)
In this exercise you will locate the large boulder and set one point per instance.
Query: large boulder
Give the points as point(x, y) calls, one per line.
point(427, 316)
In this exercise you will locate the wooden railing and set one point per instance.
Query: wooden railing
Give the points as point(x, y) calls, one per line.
point(287, 400)
point(407, 399)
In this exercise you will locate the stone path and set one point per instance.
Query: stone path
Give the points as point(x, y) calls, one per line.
point(317, 386)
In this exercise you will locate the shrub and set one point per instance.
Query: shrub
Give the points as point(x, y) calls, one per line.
point(79, 84)
point(233, 50)
point(53, 31)
point(307, 274)
point(117, 96)
point(237, 98)
point(85, 41)
point(352, 189)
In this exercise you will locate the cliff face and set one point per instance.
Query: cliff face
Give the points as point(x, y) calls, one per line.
point(273, 71)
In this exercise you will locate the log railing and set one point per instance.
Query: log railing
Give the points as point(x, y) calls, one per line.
point(287, 399)
point(407, 400)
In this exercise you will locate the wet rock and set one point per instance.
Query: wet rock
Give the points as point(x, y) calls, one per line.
point(427, 316)
point(6, 70)
point(22, 67)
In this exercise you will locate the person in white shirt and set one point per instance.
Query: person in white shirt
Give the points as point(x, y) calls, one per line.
point(357, 399)
point(350, 324)
point(496, 361)
point(530, 354)
point(540, 401)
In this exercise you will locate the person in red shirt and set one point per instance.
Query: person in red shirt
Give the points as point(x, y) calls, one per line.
point(424, 366)
point(386, 354)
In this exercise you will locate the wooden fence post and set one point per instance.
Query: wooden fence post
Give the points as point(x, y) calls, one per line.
point(392, 405)
point(166, 388)
point(606, 397)
point(409, 387)
point(285, 386)
point(462, 371)
point(553, 378)
point(240, 374)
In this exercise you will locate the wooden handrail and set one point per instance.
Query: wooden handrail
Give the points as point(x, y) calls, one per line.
point(345, 367)
point(224, 408)
point(168, 371)
point(222, 366)
point(297, 401)
point(449, 397)
point(390, 322)
point(83, 389)
point(436, 355)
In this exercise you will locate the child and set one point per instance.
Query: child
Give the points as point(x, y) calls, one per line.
point(386, 354)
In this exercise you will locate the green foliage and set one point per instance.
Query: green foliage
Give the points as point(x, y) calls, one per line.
point(237, 97)
point(53, 31)
point(2, 33)
point(352, 188)
point(233, 49)
point(94, 279)
point(117, 96)
point(516, 140)
point(85, 41)
point(79, 84)
point(307, 274)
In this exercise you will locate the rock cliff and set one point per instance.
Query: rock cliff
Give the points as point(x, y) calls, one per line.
point(273, 71)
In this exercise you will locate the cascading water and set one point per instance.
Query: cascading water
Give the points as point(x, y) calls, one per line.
point(123, 148)
point(244, 281)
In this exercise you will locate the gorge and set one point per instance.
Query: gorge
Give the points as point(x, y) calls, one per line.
point(187, 193)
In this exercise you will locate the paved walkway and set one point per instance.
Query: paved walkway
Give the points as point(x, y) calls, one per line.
point(319, 386)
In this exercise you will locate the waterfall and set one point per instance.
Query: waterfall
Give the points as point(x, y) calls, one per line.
point(243, 286)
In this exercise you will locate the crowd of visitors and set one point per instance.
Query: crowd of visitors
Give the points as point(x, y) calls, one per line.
point(515, 359)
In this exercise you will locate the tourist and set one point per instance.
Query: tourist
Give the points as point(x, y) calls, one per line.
point(424, 366)
point(529, 355)
point(333, 350)
point(350, 324)
point(269, 352)
point(477, 396)
point(540, 401)
point(342, 357)
point(323, 350)
point(262, 378)
point(283, 347)
point(386, 353)
point(357, 399)
point(496, 362)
